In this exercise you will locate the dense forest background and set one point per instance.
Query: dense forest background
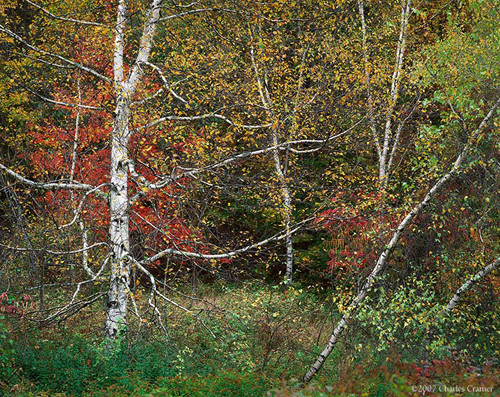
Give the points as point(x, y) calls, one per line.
point(234, 197)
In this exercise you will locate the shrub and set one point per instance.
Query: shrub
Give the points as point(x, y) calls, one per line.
point(74, 364)
point(230, 384)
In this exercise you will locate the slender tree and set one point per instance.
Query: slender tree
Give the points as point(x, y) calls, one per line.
point(387, 137)
point(381, 264)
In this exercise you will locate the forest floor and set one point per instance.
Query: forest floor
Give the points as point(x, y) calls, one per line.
point(231, 340)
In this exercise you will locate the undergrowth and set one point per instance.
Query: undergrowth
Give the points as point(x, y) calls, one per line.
point(251, 342)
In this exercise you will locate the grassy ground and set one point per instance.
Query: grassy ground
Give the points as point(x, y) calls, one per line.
point(244, 341)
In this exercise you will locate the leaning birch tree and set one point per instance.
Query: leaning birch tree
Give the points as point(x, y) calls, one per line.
point(382, 262)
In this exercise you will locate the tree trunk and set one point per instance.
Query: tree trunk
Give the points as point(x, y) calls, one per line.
point(116, 315)
point(287, 211)
point(119, 203)
point(469, 284)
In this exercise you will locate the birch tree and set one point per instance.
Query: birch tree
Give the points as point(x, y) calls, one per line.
point(381, 263)
point(130, 60)
point(124, 90)
point(150, 90)
point(386, 137)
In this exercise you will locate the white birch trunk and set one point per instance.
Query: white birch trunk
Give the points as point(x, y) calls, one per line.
point(119, 223)
point(287, 211)
point(470, 283)
point(119, 204)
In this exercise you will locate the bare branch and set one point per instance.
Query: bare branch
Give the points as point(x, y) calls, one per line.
point(187, 254)
point(47, 185)
point(57, 56)
point(60, 103)
point(155, 290)
point(149, 98)
point(201, 117)
point(281, 146)
point(54, 252)
point(47, 12)
point(80, 206)
point(184, 13)
point(165, 82)
point(191, 172)
point(74, 307)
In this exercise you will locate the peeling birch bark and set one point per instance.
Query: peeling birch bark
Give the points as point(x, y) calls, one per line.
point(119, 225)
point(120, 264)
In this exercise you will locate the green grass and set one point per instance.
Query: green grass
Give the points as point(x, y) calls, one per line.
point(264, 339)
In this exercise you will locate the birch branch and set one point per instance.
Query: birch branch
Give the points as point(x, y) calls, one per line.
point(165, 82)
point(80, 206)
point(281, 146)
point(78, 286)
point(53, 16)
point(182, 14)
point(187, 254)
point(201, 117)
point(47, 185)
point(191, 172)
point(76, 211)
point(60, 103)
point(57, 56)
point(73, 308)
point(20, 249)
point(145, 45)
point(148, 98)
point(280, 170)
point(228, 10)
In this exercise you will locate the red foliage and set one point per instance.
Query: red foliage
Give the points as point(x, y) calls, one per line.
point(156, 215)
point(349, 224)
point(13, 306)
